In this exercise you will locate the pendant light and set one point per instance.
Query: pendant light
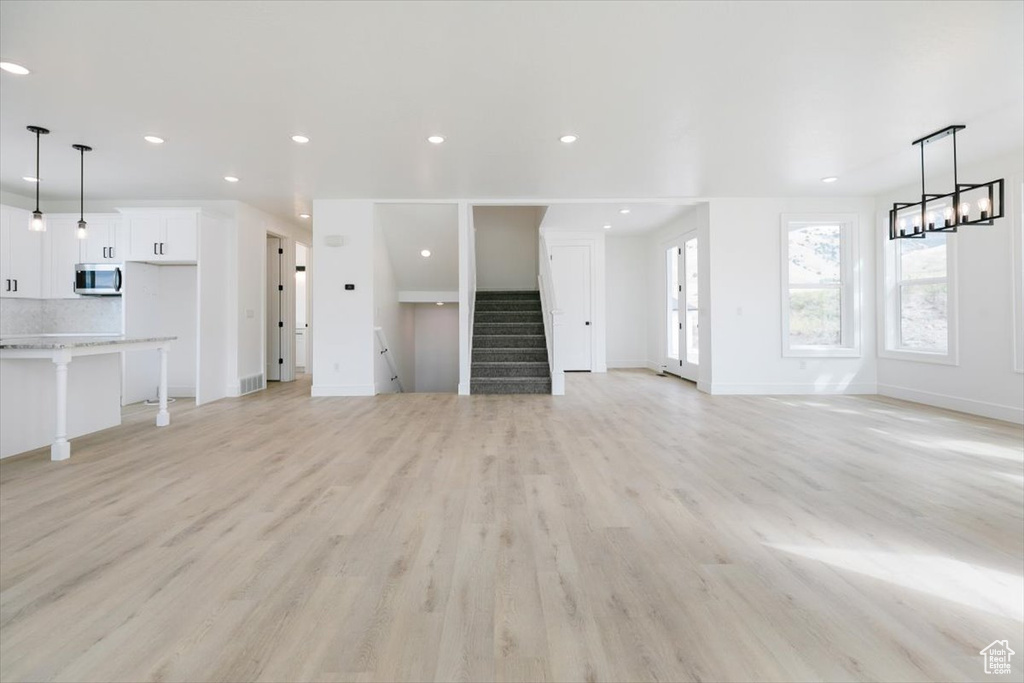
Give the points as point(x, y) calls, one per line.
point(37, 224)
point(82, 233)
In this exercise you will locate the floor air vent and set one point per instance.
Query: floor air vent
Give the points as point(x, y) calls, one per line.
point(251, 384)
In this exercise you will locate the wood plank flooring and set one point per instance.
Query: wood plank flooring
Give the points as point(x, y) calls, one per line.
point(632, 530)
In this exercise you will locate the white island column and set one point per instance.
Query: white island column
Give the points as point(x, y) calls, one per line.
point(60, 449)
point(163, 418)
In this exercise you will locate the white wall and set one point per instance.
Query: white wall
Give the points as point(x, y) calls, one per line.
point(506, 246)
point(343, 339)
point(626, 272)
point(746, 322)
point(215, 309)
point(437, 348)
point(984, 380)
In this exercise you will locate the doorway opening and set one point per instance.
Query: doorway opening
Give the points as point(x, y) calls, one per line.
point(682, 343)
point(302, 308)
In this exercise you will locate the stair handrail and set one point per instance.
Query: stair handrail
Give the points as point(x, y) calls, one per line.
point(552, 317)
point(385, 351)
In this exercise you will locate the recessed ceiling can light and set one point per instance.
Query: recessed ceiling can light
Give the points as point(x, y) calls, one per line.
point(435, 139)
point(440, 303)
point(623, 211)
point(12, 68)
point(568, 139)
point(425, 253)
point(153, 139)
point(829, 179)
point(607, 227)
point(30, 179)
point(231, 179)
point(301, 139)
point(303, 215)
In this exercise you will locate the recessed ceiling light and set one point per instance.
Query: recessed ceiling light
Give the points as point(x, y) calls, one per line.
point(623, 211)
point(607, 227)
point(435, 139)
point(231, 179)
point(830, 179)
point(425, 253)
point(31, 179)
point(440, 303)
point(301, 139)
point(154, 139)
point(568, 139)
point(12, 68)
point(303, 215)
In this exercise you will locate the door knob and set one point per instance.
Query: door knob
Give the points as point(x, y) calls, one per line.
point(587, 323)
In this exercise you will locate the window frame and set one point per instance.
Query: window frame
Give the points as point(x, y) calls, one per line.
point(848, 285)
point(891, 328)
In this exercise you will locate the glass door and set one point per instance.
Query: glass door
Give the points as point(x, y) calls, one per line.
point(682, 319)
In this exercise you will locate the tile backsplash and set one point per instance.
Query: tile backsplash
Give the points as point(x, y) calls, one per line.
point(88, 315)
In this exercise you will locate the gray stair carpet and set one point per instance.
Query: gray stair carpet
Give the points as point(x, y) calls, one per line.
point(510, 354)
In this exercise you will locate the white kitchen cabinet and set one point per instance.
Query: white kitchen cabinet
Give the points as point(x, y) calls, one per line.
point(21, 255)
point(104, 243)
point(161, 235)
point(60, 254)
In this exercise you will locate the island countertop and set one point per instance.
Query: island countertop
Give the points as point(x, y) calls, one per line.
point(60, 342)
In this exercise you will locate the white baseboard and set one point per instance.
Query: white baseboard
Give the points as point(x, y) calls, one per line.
point(963, 405)
point(233, 391)
point(342, 390)
point(622, 364)
point(653, 366)
point(722, 389)
point(463, 388)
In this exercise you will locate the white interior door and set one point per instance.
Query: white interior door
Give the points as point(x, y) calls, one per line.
point(570, 270)
point(275, 318)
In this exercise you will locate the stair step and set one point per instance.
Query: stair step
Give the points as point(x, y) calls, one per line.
point(509, 317)
point(510, 369)
point(510, 385)
point(509, 341)
point(480, 329)
point(511, 305)
point(506, 295)
point(510, 355)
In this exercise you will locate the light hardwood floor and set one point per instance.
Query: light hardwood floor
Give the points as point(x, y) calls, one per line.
point(633, 529)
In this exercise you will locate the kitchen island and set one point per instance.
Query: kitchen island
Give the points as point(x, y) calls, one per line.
point(19, 413)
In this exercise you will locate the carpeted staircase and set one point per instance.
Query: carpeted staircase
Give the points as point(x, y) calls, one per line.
point(510, 355)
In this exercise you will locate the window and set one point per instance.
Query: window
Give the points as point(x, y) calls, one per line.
point(672, 328)
point(820, 315)
point(920, 320)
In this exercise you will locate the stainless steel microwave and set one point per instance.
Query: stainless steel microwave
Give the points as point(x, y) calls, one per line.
point(98, 279)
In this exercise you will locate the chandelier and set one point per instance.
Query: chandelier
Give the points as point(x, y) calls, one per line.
point(967, 204)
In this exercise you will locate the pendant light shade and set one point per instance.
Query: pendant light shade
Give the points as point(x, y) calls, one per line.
point(82, 228)
point(37, 224)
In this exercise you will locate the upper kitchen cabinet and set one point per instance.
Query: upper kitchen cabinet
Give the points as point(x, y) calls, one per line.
point(60, 254)
point(161, 235)
point(105, 242)
point(21, 255)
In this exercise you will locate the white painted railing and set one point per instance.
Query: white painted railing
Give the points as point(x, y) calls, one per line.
point(382, 341)
point(552, 318)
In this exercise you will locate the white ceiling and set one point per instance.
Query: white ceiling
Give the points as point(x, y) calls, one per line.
point(668, 99)
point(642, 217)
point(409, 229)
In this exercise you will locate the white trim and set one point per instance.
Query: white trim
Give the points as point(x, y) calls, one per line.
point(785, 389)
point(343, 390)
point(1016, 211)
point(964, 405)
point(849, 285)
